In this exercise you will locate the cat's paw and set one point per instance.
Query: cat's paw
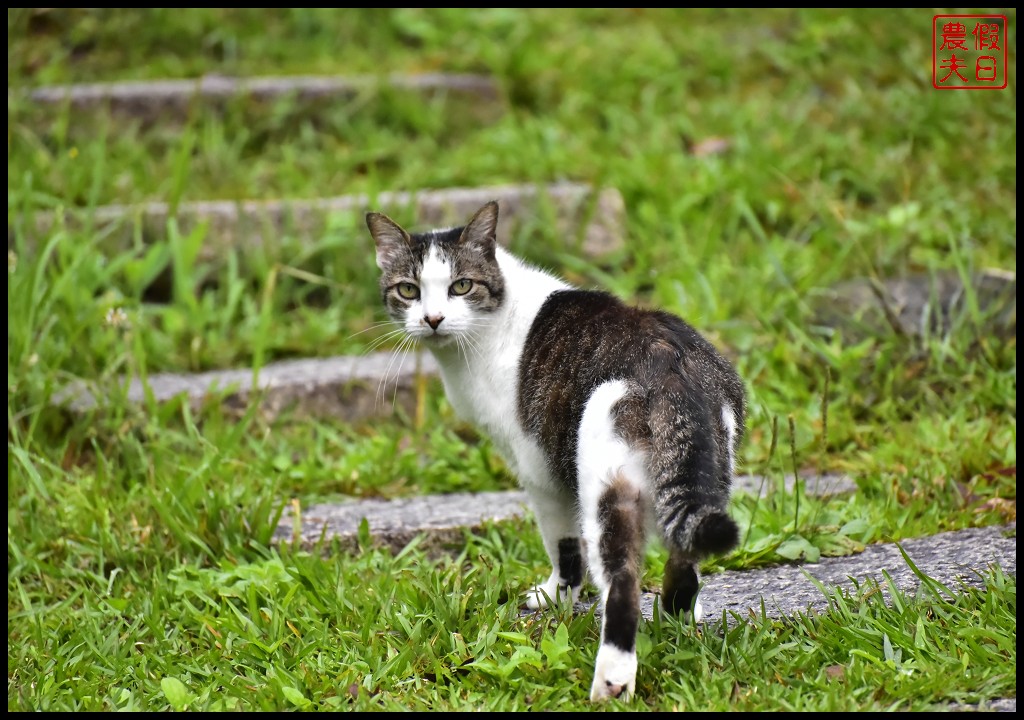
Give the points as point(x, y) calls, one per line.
point(614, 674)
point(551, 593)
point(698, 612)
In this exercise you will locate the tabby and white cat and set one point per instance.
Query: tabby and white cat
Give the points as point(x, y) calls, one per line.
point(617, 420)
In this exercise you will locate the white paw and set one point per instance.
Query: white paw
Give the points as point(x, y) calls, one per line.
point(698, 612)
point(614, 674)
point(551, 593)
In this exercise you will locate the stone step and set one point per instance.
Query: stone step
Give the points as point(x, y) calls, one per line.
point(167, 99)
point(348, 388)
point(999, 705)
point(919, 304)
point(590, 220)
point(949, 557)
point(441, 519)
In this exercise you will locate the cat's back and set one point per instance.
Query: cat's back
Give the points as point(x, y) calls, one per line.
point(590, 334)
point(580, 339)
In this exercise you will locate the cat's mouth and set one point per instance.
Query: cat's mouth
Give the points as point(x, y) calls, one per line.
point(436, 338)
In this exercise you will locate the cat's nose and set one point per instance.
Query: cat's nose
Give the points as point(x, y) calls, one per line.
point(433, 320)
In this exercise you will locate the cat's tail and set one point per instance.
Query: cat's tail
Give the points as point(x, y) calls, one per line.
point(691, 486)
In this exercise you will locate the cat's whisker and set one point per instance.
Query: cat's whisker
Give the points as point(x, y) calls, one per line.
point(398, 354)
point(472, 335)
point(477, 322)
point(382, 383)
point(383, 340)
point(372, 326)
point(377, 342)
point(397, 359)
point(390, 334)
point(463, 342)
point(398, 375)
point(472, 340)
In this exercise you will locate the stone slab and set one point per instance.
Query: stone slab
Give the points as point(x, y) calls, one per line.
point(949, 557)
point(589, 219)
point(918, 304)
point(156, 98)
point(441, 519)
point(1000, 705)
point(350, 388)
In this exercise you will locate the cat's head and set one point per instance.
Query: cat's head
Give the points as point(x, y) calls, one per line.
point(442, 285)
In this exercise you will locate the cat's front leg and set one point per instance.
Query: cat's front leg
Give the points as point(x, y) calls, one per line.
point(556, 517)
point(565, 581)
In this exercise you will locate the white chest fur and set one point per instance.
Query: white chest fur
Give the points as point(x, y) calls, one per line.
point(481, 382)
point(483, 391)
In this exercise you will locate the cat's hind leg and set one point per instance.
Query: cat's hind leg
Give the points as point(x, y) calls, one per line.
point(681, 586)
point(613, 508)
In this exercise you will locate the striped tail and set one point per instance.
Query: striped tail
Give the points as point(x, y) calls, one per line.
point(686, 464)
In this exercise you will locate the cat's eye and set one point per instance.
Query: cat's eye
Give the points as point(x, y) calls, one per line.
point(407, 291)
point(461, 287)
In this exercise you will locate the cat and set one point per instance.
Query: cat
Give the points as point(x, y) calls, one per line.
point(619, 422)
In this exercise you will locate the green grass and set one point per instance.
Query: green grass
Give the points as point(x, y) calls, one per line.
point(141, 573)
point(375, 631)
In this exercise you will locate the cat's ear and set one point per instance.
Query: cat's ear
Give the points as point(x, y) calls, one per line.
point(481, 234)
point(392, 241)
